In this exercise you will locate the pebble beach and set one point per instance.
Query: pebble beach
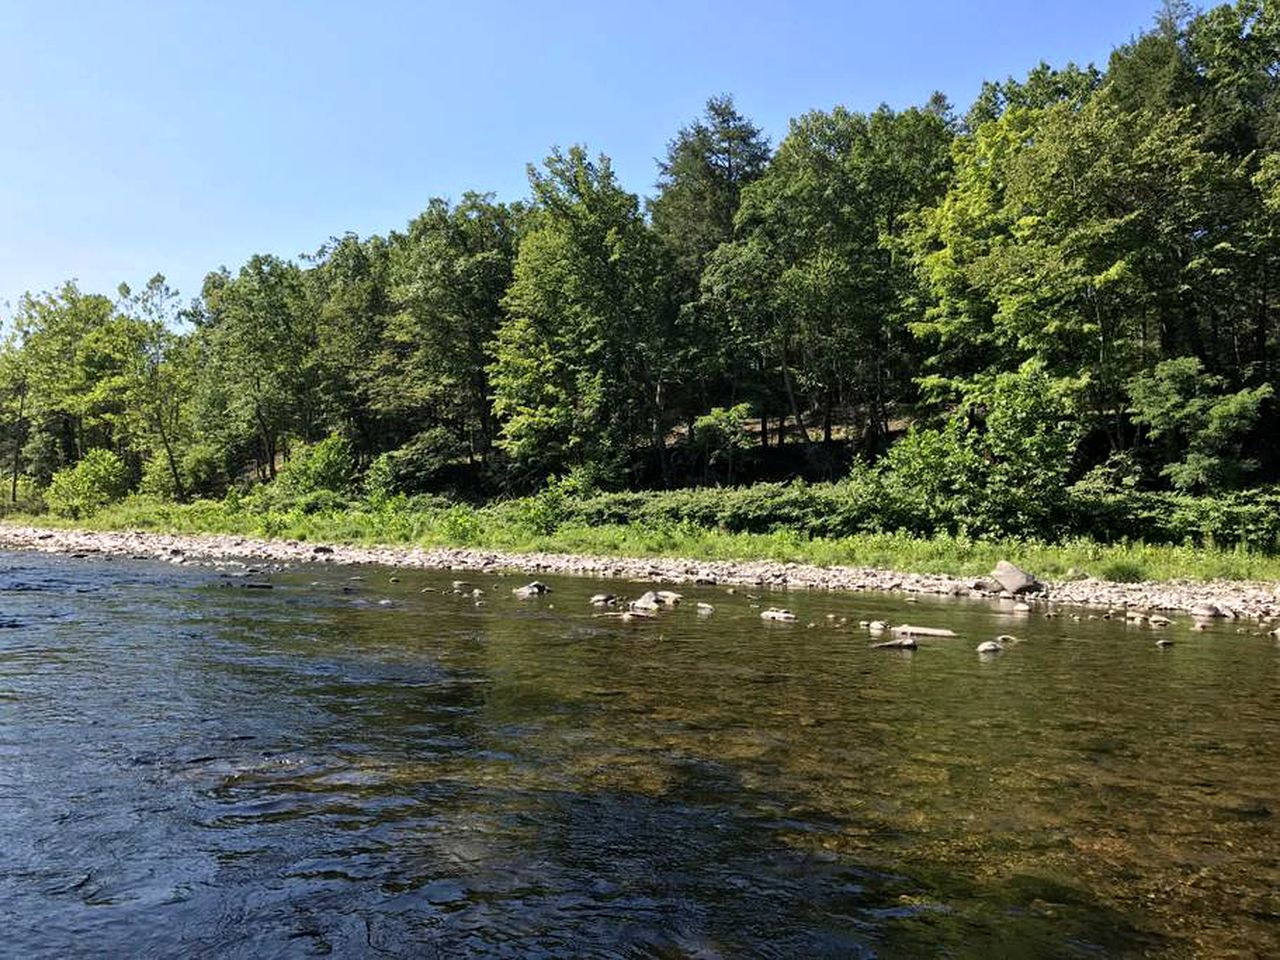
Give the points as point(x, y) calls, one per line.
point(1259, 601)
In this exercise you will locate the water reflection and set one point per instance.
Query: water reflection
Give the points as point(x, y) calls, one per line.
point(191, 767)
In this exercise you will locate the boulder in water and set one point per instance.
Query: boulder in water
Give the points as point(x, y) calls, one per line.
point(777, 614)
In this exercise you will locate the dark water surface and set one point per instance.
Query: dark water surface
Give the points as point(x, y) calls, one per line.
point(192, 768)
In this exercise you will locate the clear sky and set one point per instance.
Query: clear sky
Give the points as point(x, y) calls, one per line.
point(171, 136)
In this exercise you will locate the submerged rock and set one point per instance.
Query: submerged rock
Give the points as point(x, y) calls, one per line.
point(777, 614)
point(991, 646)
point(646, 603)
point(901, 643)
point(530, 590)
point(907, 630)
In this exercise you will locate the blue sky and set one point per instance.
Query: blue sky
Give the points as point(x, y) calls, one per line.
point(175, 136)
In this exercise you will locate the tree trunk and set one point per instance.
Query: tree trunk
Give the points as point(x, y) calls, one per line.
point(791, 399)
point(17, 443)
point(178, 489)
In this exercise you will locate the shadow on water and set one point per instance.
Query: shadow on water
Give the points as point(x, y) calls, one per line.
point(192, 768)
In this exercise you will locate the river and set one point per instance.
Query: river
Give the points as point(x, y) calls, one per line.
point(362, 762)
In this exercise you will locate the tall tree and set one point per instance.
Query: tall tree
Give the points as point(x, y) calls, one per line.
point(582, 359)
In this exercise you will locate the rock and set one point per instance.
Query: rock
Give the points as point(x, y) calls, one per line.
point(907, 630)
point(1022, 607)
point(1164, 642)
point(1158, 620)
point(1015, 579)
point(646, 603)
point(603, 600)
point(320, 550)
point(668, 597)
point(877, 626)
point(1205, 611)
point(777, 614)
point(901, 643)
point(527, 592)
point(705, 609)
point(991, 646)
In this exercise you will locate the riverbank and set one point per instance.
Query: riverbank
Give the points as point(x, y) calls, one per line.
point(1258, 600)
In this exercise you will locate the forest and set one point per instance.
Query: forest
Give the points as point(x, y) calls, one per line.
point(1053, 313)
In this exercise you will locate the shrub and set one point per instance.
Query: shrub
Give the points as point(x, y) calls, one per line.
point(203, 471)
point(157, 480)
point(328, 465)
point(1200, 427)
point(1123, 571)
point(97, 480)
point(421, 465)
point(721, 437)
point(26, 499)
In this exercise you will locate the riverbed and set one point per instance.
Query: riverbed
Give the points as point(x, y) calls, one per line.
point(368, 761)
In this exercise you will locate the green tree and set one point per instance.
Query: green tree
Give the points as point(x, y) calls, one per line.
point(583, 360)
point(449, 273)
point(1200, 425)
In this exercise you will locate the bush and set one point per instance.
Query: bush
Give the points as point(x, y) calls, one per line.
point(97, 480)
point(28, 499)
point(329, 465)
point(1123, 571)
point(157, 480)
point(420, 466)
point(720, 438)
point(203, 471)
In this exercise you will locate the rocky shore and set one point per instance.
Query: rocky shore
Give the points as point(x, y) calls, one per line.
point(1253, 600)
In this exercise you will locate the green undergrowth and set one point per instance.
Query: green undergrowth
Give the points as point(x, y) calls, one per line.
point(532, 525)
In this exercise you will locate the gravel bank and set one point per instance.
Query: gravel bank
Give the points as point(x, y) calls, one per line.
point(1255, 600)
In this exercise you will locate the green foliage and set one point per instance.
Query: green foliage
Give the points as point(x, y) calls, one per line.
point(998, 466)
point(1080, 281)
point(581, 359)
point(721, 437)
point(27, 498)
point(1188, 412)
point(97, 480)
point(157, 481)
point(327, 466)
point(420, 466)
point(1122, 571)
point(202, 470)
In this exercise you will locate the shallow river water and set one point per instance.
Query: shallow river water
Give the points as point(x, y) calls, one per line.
point(355, 767)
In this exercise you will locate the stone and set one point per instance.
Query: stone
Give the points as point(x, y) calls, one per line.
point(990, 646)
point(778, 615)
point(1014, 579)
point(907, 630)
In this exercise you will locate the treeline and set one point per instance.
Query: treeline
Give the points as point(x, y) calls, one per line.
point(1076, 282)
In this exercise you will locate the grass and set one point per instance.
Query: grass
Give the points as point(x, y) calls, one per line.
point(501, 528)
